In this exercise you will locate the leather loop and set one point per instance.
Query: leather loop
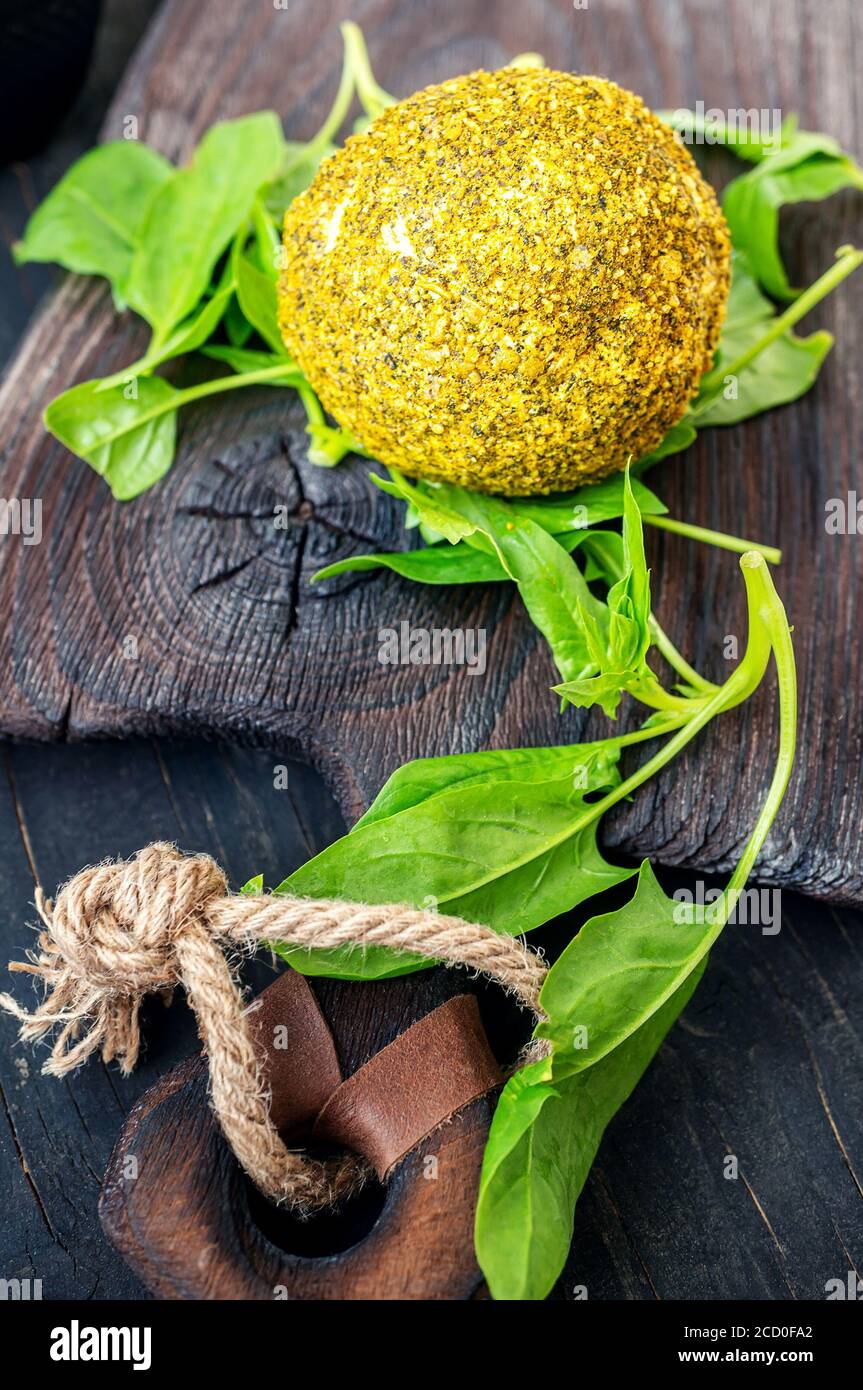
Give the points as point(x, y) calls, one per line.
point(409, 1088)
point(414, 1084)
point(294, 1041)
point(185, 1227)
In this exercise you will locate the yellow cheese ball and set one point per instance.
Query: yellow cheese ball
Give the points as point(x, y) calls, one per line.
point(513, 281)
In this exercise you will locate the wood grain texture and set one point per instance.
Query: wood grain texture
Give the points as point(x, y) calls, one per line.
point(232, 641)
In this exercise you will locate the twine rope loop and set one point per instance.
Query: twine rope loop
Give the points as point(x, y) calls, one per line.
point(125, 929)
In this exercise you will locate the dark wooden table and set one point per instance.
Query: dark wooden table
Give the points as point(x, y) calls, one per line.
point(765, 1065)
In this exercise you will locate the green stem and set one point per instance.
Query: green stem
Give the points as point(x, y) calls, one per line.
point(736, 689)
point(649, 731)
point(655, 696)
point(338, 113)
point(676, 661)
point(159, 351)
point(847, 260)
point(718, 538)
point(768, 632)
point(372, 97)
point(739, 686)
point(281, 372)
point(285, 373)
point(773, 616)
point(311, 405)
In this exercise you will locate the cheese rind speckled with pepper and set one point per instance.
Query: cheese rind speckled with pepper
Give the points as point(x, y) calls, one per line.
point(513, 281)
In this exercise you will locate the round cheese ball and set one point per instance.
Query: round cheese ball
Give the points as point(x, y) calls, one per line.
point(513, 281)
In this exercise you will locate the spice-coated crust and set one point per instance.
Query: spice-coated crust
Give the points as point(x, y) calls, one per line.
point(512, 281)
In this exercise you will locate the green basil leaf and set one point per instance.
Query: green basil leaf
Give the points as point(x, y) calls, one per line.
point(266, 250)
point(442, 564)
point(629, 597)
point(556, 595)
point(90, 222)
point(456, 564)
point(806, 168)
point(552, 587)
point(782, 372)
point(443, 519)
point(194, 215)
point(741, 136)
point(603, 553)
point(256, 293)
point(460, 562)
point(679, 437)
point(589, 505)
point(189, 335)
point(237, 326)
point(561, 512)
point(127, 433)
point(540, 1149)
point(511, 848)
point(620, 968)
point(194, 331)
point(618, 638)
point(423, 778)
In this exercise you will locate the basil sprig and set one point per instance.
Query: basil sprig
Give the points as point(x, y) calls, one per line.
point(610, 999)
point(195, 252)
point(509, 838)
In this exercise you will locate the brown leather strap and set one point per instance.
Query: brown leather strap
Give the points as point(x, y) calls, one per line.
point(300, 1057)
point(436, 1067)
point(433, 1069)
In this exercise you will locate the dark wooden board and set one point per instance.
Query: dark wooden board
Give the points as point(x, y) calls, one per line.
point(766, 1062)
point(232, 642)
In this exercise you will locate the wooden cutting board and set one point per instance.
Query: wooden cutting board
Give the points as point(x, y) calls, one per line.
point(231, 639)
